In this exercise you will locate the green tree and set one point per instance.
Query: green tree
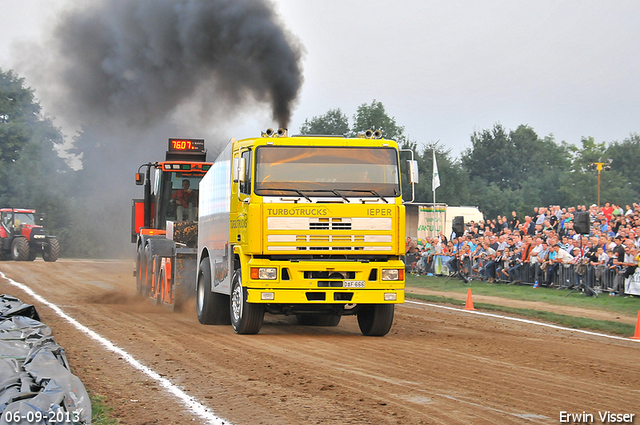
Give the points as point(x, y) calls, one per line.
point(334, 122)
point(454, 181)
point(488, 157)
point(625, 158)
point(19, 114)
point(516, 170)
point(32, 173)
point(375, 117)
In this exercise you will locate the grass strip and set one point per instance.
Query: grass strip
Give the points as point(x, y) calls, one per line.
point(573, 322)
point(100, 412)
point(620, 305)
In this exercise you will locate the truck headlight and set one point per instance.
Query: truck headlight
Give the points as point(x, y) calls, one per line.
point(268, 273)
point(392, 274)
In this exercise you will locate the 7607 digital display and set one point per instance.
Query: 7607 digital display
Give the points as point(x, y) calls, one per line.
point(186, 145)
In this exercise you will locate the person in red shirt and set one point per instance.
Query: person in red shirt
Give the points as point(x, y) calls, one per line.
point(607, 210)
point(184, 198)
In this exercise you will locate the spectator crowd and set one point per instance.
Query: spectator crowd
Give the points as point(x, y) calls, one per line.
point(542, 249)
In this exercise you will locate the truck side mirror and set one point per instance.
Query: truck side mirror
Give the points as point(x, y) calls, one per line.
point(239, 170)
point(139, 179)
point(412, 171)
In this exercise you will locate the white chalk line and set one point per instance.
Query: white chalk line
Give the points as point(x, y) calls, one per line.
point(190, 402)
point(517, 319)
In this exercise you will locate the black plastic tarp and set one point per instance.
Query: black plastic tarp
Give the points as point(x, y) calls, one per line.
point(36, 384)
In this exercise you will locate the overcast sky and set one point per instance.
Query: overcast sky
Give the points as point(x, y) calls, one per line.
point(442, 69)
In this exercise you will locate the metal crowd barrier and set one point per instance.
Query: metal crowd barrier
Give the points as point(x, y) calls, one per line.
point(565, 276)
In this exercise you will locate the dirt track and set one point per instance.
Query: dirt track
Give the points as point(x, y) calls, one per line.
point(436, 366)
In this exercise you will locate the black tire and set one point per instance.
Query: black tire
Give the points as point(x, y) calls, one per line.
point(246, 318)
point(32, 254)
point(20, 249)
point(51, 251)
point(375, 319)
point(139, 269)
point(147, 271)
point(318, 319)
point(212, 307)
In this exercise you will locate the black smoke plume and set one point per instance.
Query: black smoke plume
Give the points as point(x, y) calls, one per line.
point(139, 60)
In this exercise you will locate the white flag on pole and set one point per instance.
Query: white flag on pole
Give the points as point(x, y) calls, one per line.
point(436, 177)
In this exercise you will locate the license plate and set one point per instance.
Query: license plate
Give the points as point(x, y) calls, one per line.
point(353, 284)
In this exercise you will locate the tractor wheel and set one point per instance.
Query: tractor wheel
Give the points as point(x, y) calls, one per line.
point(20, 249)
point(139, 269)
point(51, 251)
point(375, 319)
point(147, 270)
point(212, 307)
point(318, 319)
point(246, 318)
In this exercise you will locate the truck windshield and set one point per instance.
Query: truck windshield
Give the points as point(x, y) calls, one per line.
point(340, 171)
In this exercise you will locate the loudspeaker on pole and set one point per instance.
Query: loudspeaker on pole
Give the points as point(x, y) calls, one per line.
point(582, 223)
point(458, 225)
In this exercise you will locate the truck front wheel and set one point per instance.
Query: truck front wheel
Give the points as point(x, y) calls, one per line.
point(246, 318)
point(212, 307)
point(375, 319)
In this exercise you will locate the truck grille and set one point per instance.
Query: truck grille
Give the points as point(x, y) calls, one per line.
point(330, 224)
point(331, 234)
point(317, 223)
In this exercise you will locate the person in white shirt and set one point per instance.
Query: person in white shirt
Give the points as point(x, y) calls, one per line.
point(600, 265)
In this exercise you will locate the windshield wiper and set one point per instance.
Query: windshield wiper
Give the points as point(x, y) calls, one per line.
point(370, 191)
point(292, 190)
point(335, 191)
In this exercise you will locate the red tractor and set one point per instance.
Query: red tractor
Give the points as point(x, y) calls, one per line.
point(22, 236)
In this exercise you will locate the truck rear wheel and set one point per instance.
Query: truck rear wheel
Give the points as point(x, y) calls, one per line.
point(375, 319)
point(139, 269)
point(212, 307)
point(318, 319)
point(246, 318)
point(20, 249)
point(51, 251)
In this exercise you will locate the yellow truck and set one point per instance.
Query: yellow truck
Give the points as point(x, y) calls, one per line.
point(311, 226)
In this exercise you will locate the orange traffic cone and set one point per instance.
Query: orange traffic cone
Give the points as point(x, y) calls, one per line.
point(637, 334)
point(469, 304)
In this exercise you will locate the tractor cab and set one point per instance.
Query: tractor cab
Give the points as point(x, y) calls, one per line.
point(16, 221)
point(171, 188)
point(175, 192)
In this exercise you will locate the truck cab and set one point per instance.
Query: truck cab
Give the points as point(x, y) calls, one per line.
point(305, 225)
